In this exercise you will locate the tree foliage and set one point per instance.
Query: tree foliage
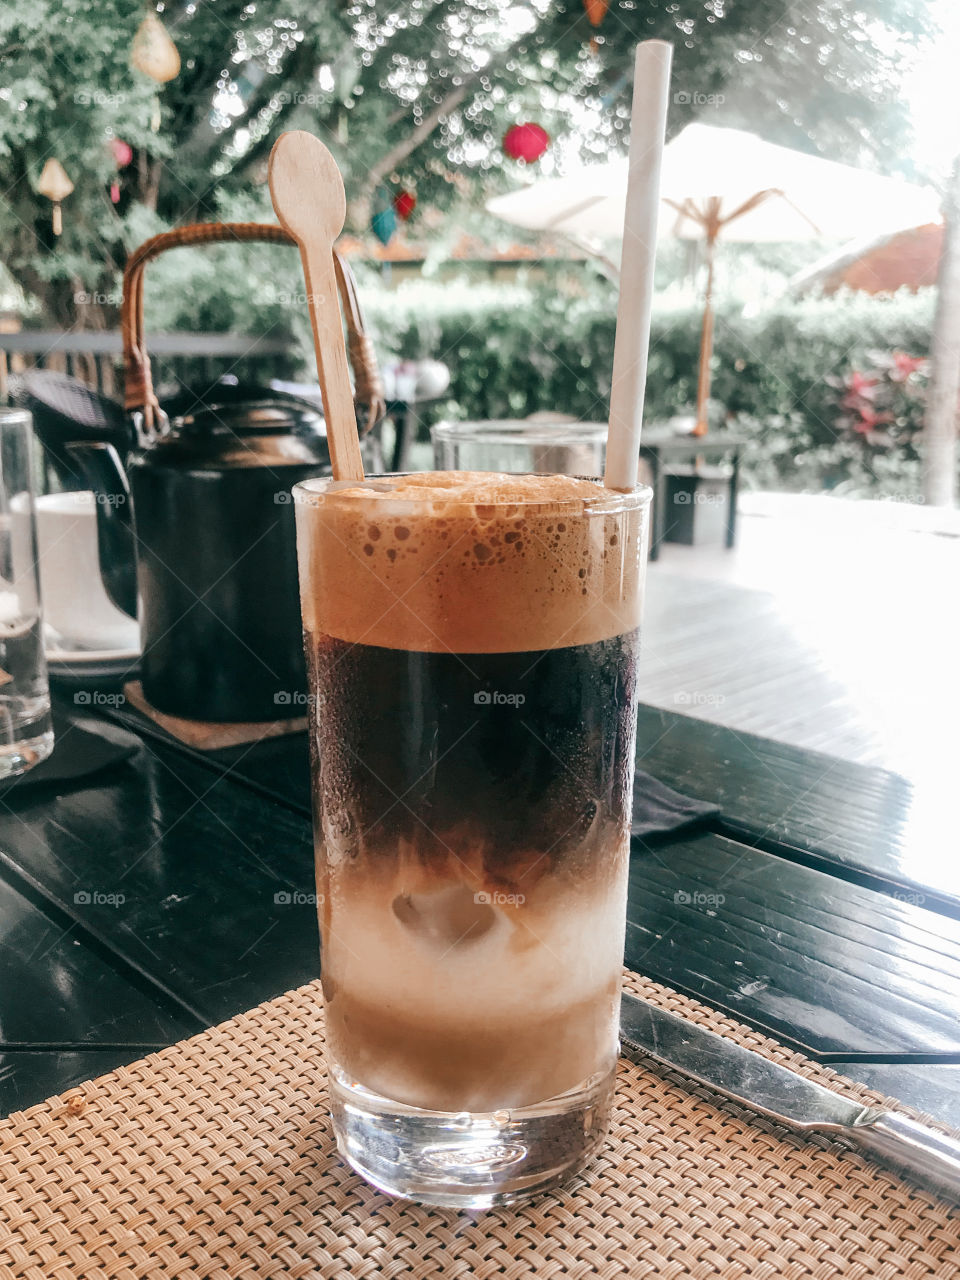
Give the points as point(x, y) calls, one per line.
point(411, 92)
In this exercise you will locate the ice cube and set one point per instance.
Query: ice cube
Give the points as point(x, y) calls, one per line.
point(447, 918)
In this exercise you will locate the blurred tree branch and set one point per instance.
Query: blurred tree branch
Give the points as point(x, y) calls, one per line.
point(425, 88)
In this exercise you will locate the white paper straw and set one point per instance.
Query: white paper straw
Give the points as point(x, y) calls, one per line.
point(648, 122)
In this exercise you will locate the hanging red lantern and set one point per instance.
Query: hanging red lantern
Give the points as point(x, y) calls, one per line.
point(404, 202)
point(526, 142)
point(122, 152)
point(596, 11)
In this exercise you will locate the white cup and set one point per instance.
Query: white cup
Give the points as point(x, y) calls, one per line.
point(75, 602)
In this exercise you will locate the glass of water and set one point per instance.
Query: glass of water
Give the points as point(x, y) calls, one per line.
point(26, 731)
point(570, 448)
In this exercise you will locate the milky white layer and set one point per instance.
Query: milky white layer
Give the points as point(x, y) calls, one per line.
point(471, 562)
point(439, 956)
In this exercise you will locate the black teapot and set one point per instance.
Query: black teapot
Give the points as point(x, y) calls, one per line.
point(199, 524)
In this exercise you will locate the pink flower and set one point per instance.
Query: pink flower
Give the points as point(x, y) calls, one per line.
point(904, 366)
point(870, 420)
point(859, 384)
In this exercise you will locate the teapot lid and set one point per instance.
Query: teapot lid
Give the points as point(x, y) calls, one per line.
point(253, 417)
point(242, 408)
point(240, 426)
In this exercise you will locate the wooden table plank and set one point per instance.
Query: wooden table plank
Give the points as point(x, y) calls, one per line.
point(875, 827)
point(831, 967)
point(57, 989)
point(198, 859)
point(933, 1088)
point(735, 657)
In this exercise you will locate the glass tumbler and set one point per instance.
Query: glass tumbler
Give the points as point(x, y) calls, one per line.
point(471, 649)
point(570, 448)
point(26, 732)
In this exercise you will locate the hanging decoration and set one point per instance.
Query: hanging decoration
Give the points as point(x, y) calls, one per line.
point(383, 224)
point(596, 12)
point(56, 186)
point(122, 152)
point(526, 142)
point(404, 203)
point(383, 220)
point(153, 52)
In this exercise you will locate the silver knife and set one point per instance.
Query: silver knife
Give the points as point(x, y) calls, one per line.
point(725, 1066)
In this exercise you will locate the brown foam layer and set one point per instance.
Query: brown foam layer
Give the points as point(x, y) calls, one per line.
point(473, 487)
point(470, 562)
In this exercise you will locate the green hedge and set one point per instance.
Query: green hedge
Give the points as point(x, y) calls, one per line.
point(514, 351)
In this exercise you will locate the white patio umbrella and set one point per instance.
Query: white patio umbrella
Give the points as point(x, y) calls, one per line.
point(725, 182)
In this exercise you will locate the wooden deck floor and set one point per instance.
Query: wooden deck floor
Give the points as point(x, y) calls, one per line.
point(833, 625)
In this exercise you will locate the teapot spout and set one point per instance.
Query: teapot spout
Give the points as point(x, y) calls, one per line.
point(104, 473)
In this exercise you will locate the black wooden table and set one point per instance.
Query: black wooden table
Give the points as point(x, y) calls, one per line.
point(170, 892)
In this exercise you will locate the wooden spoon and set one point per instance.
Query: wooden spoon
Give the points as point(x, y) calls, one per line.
point(308, 198)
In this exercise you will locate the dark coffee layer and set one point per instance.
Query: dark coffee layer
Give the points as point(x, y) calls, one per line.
point(513, 763)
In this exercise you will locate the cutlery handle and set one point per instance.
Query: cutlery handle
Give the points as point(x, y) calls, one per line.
point(931, 1157)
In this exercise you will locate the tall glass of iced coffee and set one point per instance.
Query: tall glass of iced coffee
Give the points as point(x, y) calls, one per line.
point(471, 642)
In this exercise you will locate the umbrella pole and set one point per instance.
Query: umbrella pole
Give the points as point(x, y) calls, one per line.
point(712, 226)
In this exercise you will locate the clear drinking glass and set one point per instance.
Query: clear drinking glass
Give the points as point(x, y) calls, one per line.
point(570, 448)
point(26, 732)
point(471, 647)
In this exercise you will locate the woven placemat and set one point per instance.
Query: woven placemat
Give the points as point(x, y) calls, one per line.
point(213, 1158)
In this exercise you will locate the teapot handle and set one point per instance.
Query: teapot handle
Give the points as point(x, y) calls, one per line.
point(139, 395)
point(100, 464)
